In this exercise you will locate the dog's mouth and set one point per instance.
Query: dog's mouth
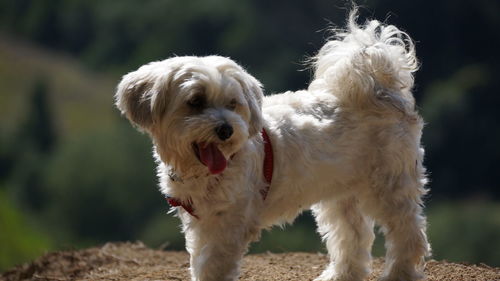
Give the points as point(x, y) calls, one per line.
point(210, 156)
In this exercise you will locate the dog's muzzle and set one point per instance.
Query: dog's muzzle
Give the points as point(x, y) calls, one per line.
point(208, 152)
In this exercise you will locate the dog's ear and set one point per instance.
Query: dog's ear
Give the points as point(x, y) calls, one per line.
point(252, 89)
point(141, 95)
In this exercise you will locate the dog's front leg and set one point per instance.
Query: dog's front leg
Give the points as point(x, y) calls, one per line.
point(217, 246)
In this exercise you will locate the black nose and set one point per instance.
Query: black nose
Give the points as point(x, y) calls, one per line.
point(224, 131)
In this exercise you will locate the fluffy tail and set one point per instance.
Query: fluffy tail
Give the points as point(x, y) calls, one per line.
point(369, 67)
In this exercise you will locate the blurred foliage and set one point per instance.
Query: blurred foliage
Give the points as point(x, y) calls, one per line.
point(465, 231)
point(300, 236)
point(20, 239)
point(105, 172)
point(461, 137)
point(163, 231)
point(73, 173)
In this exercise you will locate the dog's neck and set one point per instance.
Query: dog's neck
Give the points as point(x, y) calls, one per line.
point(183, 196)
point(178, 178)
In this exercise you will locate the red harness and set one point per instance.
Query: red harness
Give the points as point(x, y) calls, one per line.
point(267, 170)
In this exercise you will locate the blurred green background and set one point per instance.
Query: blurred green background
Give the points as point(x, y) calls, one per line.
point(73, 173)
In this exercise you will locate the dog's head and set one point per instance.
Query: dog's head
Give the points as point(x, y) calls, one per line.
point(199, 111)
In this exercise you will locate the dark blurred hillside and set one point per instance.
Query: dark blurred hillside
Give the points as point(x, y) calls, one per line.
point(456, 42)
point(72, 172)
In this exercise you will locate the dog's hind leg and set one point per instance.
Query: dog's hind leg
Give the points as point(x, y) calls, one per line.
point(349, 238)
point(399, 211)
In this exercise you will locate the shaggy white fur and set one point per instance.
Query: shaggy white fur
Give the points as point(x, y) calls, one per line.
point(348, 147)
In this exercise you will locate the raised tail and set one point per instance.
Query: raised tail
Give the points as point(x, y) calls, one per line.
point(367, 66)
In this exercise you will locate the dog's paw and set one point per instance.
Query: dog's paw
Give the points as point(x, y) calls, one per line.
point(331, 276)
point(346, 273)
point(403, 276)
point(336, 278)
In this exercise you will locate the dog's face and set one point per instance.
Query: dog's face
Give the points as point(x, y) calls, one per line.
point(199, 111)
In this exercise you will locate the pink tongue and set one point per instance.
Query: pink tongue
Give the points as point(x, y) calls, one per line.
point(212, 157)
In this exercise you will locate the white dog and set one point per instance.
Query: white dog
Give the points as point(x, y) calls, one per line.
point(232, 162)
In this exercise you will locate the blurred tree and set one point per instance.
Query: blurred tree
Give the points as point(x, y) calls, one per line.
point(6, 159)
point(101, 186)
point(461, 139)
point(32, 144)
point(39, 129)
point(78, 25)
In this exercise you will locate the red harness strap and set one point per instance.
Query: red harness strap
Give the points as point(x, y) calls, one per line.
point(267, 170)
point(268, 163)
point(187, 206)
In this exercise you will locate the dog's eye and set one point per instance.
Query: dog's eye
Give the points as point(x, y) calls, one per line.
point(232, 104)
point(197, 102)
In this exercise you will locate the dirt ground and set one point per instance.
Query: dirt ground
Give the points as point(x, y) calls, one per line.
point(134, 261)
